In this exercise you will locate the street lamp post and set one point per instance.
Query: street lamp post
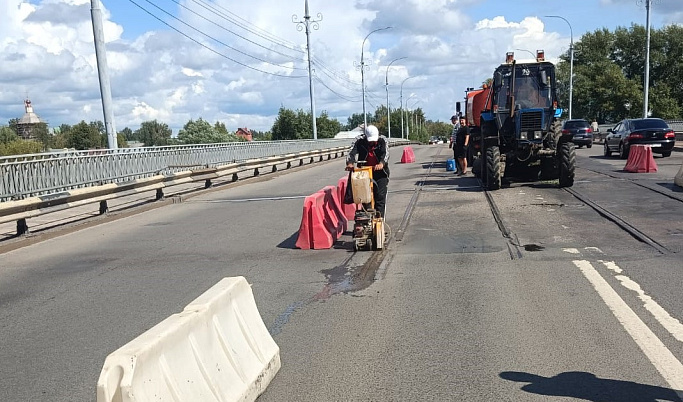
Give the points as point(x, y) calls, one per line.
point(571, 60)
point(408, 108)
point(362, 73)
point(646, 85)
point(309, 23)
point(404, 81)
point(528, 51)
point(387, 87)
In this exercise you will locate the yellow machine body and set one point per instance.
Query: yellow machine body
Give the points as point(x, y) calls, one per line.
point(368, 231)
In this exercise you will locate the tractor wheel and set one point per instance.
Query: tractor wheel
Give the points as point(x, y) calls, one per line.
point(493, 168)
point(567, 164)
point(556, 129)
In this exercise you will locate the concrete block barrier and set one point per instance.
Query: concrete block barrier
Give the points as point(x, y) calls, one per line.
point(349, 209)
point(408, 155)
point(314, 231)
point(640, 160)
point(678, 180)
point(216, 349)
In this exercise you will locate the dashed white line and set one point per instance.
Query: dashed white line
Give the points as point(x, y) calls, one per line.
point(661, 358)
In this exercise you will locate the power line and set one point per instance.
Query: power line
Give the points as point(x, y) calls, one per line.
point(266, 35)
point(208, 8)
point(334, 92)
point(208, 36)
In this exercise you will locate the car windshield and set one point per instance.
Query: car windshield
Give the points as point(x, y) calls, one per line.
point(576, 124)
point(649, 123)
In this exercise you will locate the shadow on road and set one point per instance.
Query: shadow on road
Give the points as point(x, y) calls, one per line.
point(582, 385)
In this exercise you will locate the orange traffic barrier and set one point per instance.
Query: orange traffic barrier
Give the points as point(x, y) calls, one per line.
point(334, 212)
point(640, 160)
point(313, 231)
point(349, 209)
point(408, 155)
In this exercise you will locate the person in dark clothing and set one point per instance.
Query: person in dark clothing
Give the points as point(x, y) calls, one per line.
point(462, 139)
point(374, 150)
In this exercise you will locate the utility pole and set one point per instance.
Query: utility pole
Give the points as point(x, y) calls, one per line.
point(362, 73)
point(306, 25)
point(571, 59)
point(387, 88)
point(646, 85)
point(103, 70)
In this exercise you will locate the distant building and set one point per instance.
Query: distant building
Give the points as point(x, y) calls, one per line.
point(28, 122)
point(350, 134)
point(244, 133)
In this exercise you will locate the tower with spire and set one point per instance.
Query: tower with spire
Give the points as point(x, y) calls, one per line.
point(27, 123)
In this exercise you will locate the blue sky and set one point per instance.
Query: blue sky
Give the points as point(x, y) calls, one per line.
point(243, 77)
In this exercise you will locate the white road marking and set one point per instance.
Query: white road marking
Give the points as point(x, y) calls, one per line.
point(658, 354)
point(571, 250)
point(597, 250)
point(670, 323)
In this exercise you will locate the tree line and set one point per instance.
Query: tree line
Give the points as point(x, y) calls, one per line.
point(609, 70)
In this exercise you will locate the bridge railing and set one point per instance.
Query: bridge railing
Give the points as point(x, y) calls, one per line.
point(40, 174)
point(42, 184)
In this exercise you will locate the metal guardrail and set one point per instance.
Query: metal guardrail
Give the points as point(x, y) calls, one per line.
point(59, 190)
point(40, 174)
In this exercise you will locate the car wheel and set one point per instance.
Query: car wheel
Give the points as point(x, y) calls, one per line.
point(666, 154)
point(623, 151)
point(606, 150)
point(589, 145)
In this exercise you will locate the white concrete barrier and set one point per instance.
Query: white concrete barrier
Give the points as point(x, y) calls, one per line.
point(678, 180)
point(216, 349)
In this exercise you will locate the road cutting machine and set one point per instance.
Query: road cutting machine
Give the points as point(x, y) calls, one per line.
point(368, 227)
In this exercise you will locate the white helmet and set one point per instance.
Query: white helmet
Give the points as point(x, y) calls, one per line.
point(372, 133)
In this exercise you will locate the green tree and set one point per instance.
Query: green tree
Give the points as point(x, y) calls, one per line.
point(7, 135)
point(127, 134)
point(261, 135)
point(284, 127)
point(202, 132)
point(327, 127)
point(153, 133)
point(14, 125)
point(121, 141)
point(20, 147)
point(84, 136)
point(43, 135)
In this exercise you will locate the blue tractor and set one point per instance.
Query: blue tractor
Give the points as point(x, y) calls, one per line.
point(520, 132)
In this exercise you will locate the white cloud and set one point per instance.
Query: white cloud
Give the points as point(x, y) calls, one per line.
point(47, 52)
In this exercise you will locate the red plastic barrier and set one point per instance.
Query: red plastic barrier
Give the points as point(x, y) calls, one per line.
point(408, 155)
point(349, 209)
point(640, 160)
point(313, 231)
point(334, 211)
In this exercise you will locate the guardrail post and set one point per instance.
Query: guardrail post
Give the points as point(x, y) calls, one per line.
point(207, 183)
point(103, 207)
point(256, 172)
point(235, 177)
point(289, 165)
point(274, 169)
point(160, 194)
point(22, 227)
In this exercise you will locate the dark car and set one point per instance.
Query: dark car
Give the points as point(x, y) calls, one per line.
point(653, 132)
point(581, 129)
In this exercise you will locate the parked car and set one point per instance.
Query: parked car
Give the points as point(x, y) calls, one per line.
point(653, 132)
point(581, 129)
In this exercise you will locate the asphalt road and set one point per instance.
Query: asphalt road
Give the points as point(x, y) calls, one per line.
point(567, 306)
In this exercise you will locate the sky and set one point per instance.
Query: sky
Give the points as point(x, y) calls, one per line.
point(238, 62)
